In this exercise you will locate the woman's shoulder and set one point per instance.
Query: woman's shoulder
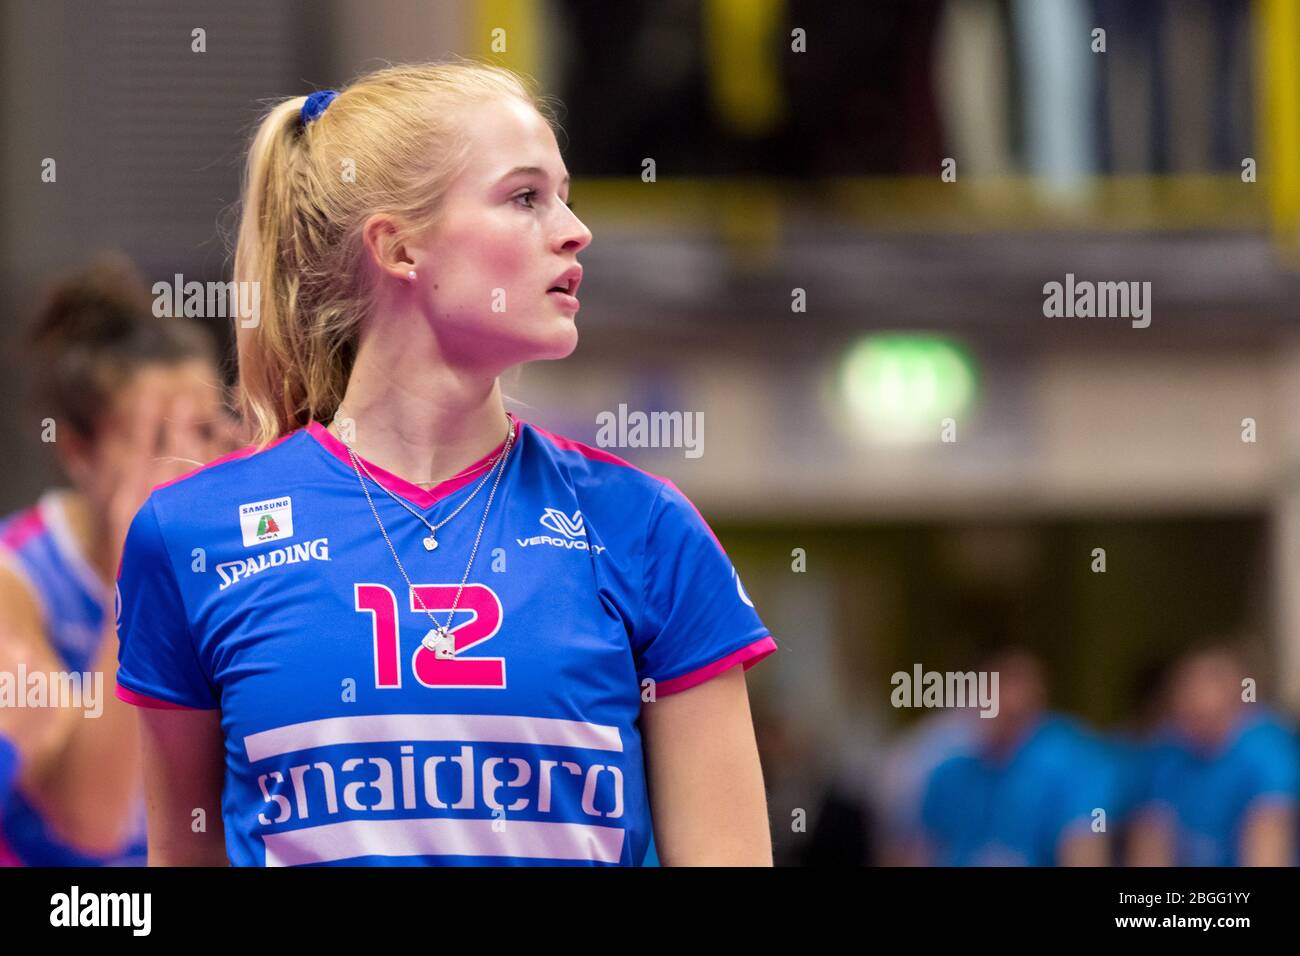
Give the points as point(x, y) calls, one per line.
point(248, 476)
point(593, 464)
point(614, 492)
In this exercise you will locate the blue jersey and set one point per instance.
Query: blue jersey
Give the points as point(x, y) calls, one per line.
point(1014, 812)
point(260, 585)
point(1209, 796)
point(37, 544)
point(1136, 758)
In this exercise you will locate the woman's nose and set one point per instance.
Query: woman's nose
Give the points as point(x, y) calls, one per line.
point(575, 236)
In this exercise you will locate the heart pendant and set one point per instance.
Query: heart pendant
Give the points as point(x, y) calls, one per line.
point(430, 543)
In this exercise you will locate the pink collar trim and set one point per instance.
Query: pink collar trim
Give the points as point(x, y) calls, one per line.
point(413, 493)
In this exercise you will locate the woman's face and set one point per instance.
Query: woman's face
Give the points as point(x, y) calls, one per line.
point(182, 413)
point(505, 237)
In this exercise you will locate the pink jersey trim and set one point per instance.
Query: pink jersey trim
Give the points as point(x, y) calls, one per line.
point(706, 524)
point(7, 856)
point(596, 454)
point(587, 451)
point(143, 700)
point(420, 497)
point(23, 528)
point(244, 452)
point(749, 655)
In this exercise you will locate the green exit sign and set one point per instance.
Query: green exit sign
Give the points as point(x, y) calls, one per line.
point(901, 386)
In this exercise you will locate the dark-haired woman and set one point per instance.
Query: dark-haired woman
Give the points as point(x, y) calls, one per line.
point(130, 401)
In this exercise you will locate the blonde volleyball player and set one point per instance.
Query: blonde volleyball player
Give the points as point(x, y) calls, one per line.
point(429, 632)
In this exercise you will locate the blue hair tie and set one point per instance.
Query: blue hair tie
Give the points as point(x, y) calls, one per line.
point(316, 104)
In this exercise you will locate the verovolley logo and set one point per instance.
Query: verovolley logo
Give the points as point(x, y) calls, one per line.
point(571, 529)
point(559, 522)
point(263, 521)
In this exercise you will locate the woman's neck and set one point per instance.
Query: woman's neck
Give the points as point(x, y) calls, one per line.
point(89, 536)
point(421, 420)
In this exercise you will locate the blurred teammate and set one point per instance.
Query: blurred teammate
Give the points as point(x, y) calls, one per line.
point(134, 400)
point(1223, 785)
point(1138, 748)
point(1027, 795)
point(912, 758)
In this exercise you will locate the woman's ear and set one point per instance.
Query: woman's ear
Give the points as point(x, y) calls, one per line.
point(384, 243)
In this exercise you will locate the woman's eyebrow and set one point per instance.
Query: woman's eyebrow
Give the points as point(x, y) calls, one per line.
point(531, 170)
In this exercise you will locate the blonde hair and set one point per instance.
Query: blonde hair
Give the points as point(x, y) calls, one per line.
point(299, 236)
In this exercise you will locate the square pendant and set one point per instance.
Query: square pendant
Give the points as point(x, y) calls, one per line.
point(440, 641)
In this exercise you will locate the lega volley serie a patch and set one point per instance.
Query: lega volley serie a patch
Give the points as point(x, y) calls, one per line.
point(261, 585)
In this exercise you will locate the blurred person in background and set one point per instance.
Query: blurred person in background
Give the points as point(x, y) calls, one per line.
point(785, 752)
point(1139, 748)
point(845, 824)
point(819, 791)
point(911, 761)
point(1027, 793)
point(135, 401)
point(1223, 789)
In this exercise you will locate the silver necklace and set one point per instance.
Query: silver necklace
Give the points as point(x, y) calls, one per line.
point(438, 639)
point(431, 542)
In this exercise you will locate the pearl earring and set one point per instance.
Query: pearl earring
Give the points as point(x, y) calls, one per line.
point(411, 275)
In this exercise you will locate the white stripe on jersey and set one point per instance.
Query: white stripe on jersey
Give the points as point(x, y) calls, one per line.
point(460, 728)
point(516, 838)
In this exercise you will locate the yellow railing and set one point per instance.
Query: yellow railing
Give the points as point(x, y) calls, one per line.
point(754, 208)
point(1277, 79)
point(742, 42)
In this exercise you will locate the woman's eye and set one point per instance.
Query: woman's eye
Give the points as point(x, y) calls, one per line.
point(530, 195)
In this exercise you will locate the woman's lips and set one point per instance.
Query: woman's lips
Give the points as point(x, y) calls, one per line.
point(565, 300)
